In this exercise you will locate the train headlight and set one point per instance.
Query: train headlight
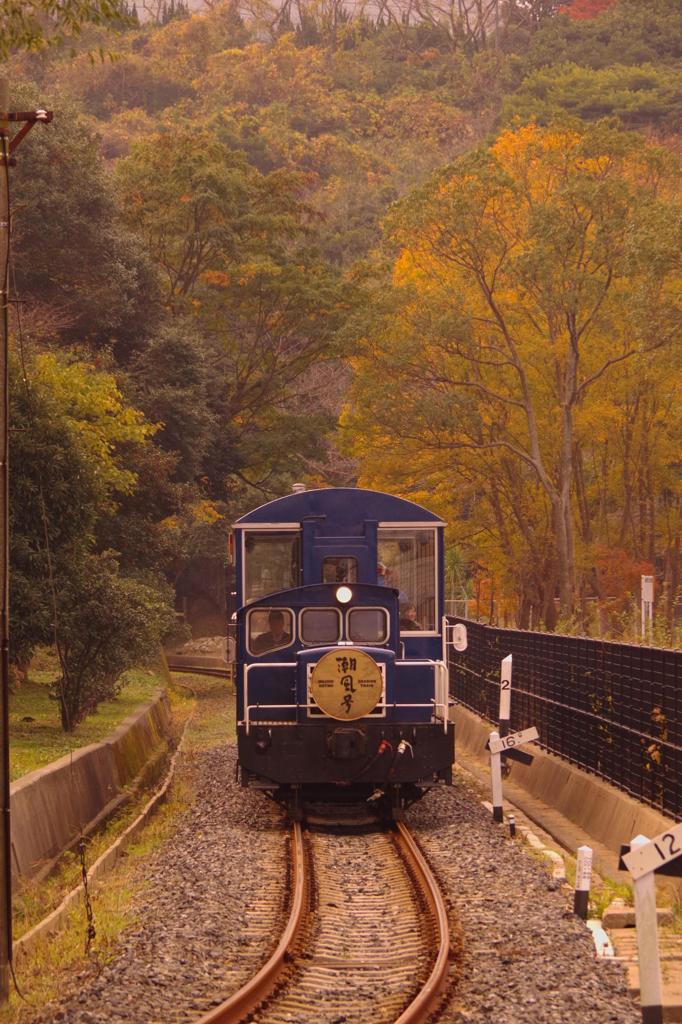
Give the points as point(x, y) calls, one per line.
point(344, 595)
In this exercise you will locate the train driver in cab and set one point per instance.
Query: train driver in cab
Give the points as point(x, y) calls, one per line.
point(276, 635)
point(408, 617)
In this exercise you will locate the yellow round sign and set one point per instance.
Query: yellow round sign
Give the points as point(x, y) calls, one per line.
point(346, 684)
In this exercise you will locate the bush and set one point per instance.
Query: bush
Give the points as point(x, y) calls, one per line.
point(106, 624)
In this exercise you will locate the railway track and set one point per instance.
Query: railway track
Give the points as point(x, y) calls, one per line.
point(199, 670)
point(367, 940)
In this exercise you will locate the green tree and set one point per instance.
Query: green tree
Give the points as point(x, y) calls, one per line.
point(637, 96)
point(170, 380)
point(73, 259)
point(234, 246)
point(630, 32)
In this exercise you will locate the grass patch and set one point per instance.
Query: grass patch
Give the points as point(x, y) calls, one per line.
point(36, 736)
point(602, 896)
point(211, 728)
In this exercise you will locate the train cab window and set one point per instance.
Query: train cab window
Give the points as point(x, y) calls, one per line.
point(320, 626)
point(407, 562)
point(368, 625)
point(340, 569)
point(269, 629)
point(272, 562)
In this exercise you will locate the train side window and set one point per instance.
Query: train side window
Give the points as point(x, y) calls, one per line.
point(368, 625)
point(407, 562)
point(340, 569)
point(272, 562)
point(269, 629)
point(320, 626)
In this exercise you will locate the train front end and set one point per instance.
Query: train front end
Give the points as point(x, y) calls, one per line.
point(342, 687)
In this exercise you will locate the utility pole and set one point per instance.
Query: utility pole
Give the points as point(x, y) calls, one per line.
point(5, 842)
point(7, 147)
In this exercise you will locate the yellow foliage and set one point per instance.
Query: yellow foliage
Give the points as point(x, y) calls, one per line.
point(531, 346)
point(217, 278)
point(205, 512)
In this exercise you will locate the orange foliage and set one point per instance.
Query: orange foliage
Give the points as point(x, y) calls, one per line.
point(582, 10)
point(619, 574)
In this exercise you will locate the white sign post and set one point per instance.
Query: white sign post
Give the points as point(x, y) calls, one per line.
point(498, 745)
point(641, 861)
point(647, 605)
point(505, 694)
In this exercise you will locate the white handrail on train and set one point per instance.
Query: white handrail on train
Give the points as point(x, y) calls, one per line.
point(440, 686)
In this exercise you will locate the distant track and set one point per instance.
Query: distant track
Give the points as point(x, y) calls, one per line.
point(200, 670)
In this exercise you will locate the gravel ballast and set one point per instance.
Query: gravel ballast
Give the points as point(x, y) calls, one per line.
point(525, 958)
point(213, 901)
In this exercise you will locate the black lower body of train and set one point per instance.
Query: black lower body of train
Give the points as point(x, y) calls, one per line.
point(388, 764)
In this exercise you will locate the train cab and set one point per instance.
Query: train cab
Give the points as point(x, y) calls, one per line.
point(342, 682)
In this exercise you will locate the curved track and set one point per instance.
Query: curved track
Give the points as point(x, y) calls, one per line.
point(367, 940)
point(199, 670)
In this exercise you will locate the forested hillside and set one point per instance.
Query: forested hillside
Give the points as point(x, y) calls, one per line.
point(417, 247)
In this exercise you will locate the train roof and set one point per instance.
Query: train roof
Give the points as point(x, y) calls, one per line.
point(343, 505)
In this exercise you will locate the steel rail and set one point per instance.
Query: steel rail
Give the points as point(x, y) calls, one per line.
point(424, 1003)
point(234, 1009)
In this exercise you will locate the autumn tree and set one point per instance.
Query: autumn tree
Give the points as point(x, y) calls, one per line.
point(580, 10)
point(529, 278)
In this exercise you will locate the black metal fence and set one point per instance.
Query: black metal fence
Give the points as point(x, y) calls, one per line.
point(613, 709)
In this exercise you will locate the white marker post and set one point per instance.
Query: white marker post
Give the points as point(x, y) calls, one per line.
point(496, 777)
point(647, 605)
point(505, 694)
point(583, 881)
point(647, 939)
point(497, 746)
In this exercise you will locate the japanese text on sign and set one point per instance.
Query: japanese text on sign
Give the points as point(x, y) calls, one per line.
point(346, 686)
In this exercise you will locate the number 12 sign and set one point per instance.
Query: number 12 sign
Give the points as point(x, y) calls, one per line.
point(655, 854)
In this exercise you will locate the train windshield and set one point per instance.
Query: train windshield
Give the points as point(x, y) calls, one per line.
point(368, 626)
point(320, 626)
point(407, 562)
point(268, 629)
point(272, 562)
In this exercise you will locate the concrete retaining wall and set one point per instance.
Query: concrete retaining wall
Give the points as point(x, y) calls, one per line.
point(603, 812)
point(50, 807)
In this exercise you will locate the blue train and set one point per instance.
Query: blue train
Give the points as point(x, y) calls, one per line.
point(342, 683)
